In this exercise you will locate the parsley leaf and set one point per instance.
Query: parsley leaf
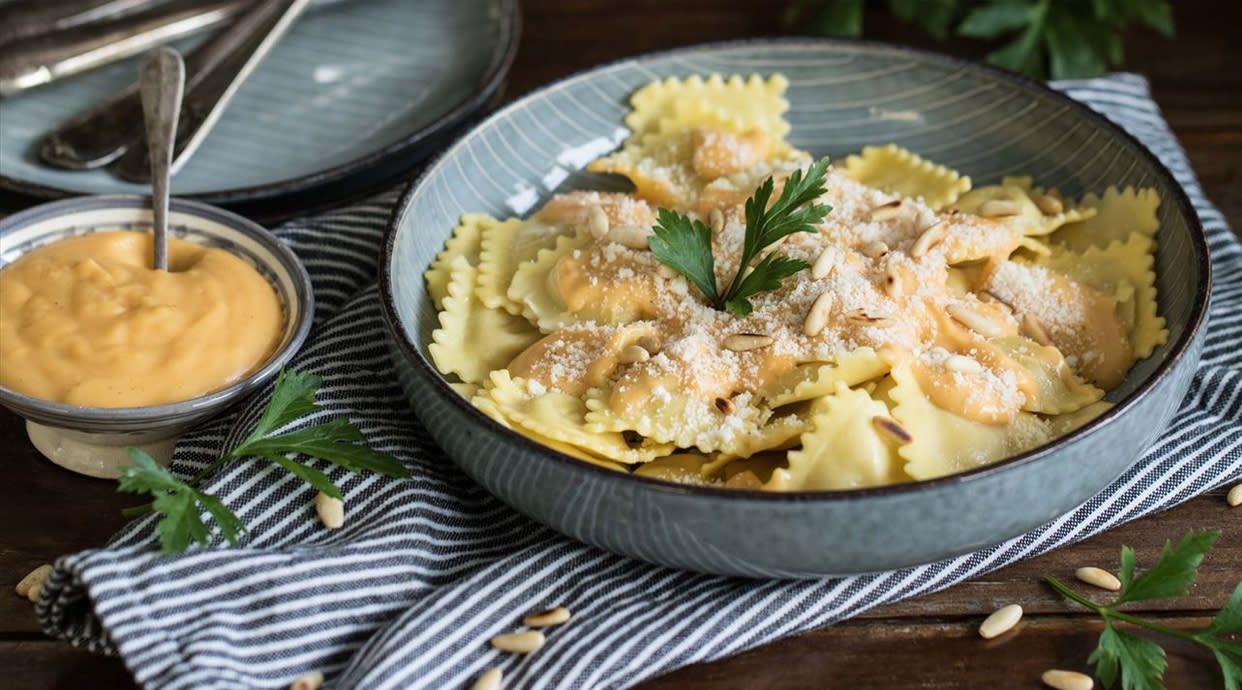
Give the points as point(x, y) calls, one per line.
point(1229, 657)
point(767, 275)
point(1061, 38)
point(293, 397)
point(1138, 662)
point(1173, 573)
point(1229, 620)
point(337, 441)
point(178, 503)
point(685, 245)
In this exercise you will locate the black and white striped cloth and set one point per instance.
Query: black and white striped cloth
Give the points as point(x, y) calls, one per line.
point(426, 570)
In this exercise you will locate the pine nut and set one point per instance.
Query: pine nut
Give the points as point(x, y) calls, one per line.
point(892, 282)
point(892, 428)
point(741, 342)
point(964, 364)
point(597, 223)
point(715, 220)
point(885, 212)
point(1049, 205)
point(632, 236)
point(650, 343)
point(930, 238)
point(975, 321)
point(489, 680)
point(861, 316)
point(1000, 622)
point(725, 406)
point(331, 510)
point(523, 642)
point(874, 249)
point(817, 317)
point(666, 272)
point(1034, 330)
point(999, 208)
point(1067, 680)
point(308, 681)
point(544, 619)
point(31, 585)
point(632, 354)
point(1098, 577)
point(1234, 497)
point(824, 264)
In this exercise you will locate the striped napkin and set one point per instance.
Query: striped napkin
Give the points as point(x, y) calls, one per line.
point(425, 570)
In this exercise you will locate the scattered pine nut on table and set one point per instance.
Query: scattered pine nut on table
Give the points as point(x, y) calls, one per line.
point(309, 681)
point(488, 680)
point(331, 510)
point(1067, 680)
point(32, 584)
point(1001, 621)
point(523, 642)
point(1098, 577)
point(544, 619)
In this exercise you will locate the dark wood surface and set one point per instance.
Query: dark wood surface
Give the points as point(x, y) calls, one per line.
point(927, 643)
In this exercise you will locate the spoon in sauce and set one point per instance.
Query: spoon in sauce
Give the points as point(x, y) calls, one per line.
point(161, 83)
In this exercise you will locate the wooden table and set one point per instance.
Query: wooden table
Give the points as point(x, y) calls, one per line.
point(926, 643)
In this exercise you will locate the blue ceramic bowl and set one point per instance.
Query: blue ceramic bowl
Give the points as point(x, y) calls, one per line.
point(979, 120)
point(92, 439)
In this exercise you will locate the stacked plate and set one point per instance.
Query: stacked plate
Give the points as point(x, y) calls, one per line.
point(355, 95)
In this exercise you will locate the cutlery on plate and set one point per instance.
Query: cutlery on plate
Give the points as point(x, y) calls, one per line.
point(161, 82)
point(214, 69)
point(241, 49)
point(27, 18)
point(44, 59)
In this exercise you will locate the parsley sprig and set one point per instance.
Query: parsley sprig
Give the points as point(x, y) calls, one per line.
point(1138, 662)
point(1061, 38)
point(685, 244)
point(180, 504)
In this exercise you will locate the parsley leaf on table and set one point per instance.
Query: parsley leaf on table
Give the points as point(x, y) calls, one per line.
point(1058, 38)
point(1138, 662)
point(178, 503)
point(685, 244)
point(337, 441)
point(1173, 573)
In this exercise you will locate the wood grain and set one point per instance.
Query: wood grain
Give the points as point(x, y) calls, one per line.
point(928, 643)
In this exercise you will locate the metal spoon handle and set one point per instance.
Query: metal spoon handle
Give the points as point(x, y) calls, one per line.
point(162, 81)
point(230, 58)
point(33, 62)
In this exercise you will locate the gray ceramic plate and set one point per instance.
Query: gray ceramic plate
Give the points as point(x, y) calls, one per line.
point(353, 94)
point(844, 95)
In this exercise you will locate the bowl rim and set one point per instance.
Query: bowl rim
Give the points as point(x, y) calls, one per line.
point(490, 82)
point(1179, 349)
point(302, 318)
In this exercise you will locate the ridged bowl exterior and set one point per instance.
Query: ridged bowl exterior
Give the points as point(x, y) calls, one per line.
point(843, 95)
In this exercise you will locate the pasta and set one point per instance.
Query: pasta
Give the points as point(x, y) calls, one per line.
point(954, 325)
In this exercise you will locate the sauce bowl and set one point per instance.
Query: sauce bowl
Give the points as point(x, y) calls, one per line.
point(94, 440)
point(843, 95)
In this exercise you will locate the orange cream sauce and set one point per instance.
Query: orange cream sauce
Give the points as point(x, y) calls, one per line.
point(86, 321)
point(913, 296)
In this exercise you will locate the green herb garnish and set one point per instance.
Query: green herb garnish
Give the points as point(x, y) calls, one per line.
point(337, 441)
point(685, 245)
point(1061, 38)
point(1138, 662)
